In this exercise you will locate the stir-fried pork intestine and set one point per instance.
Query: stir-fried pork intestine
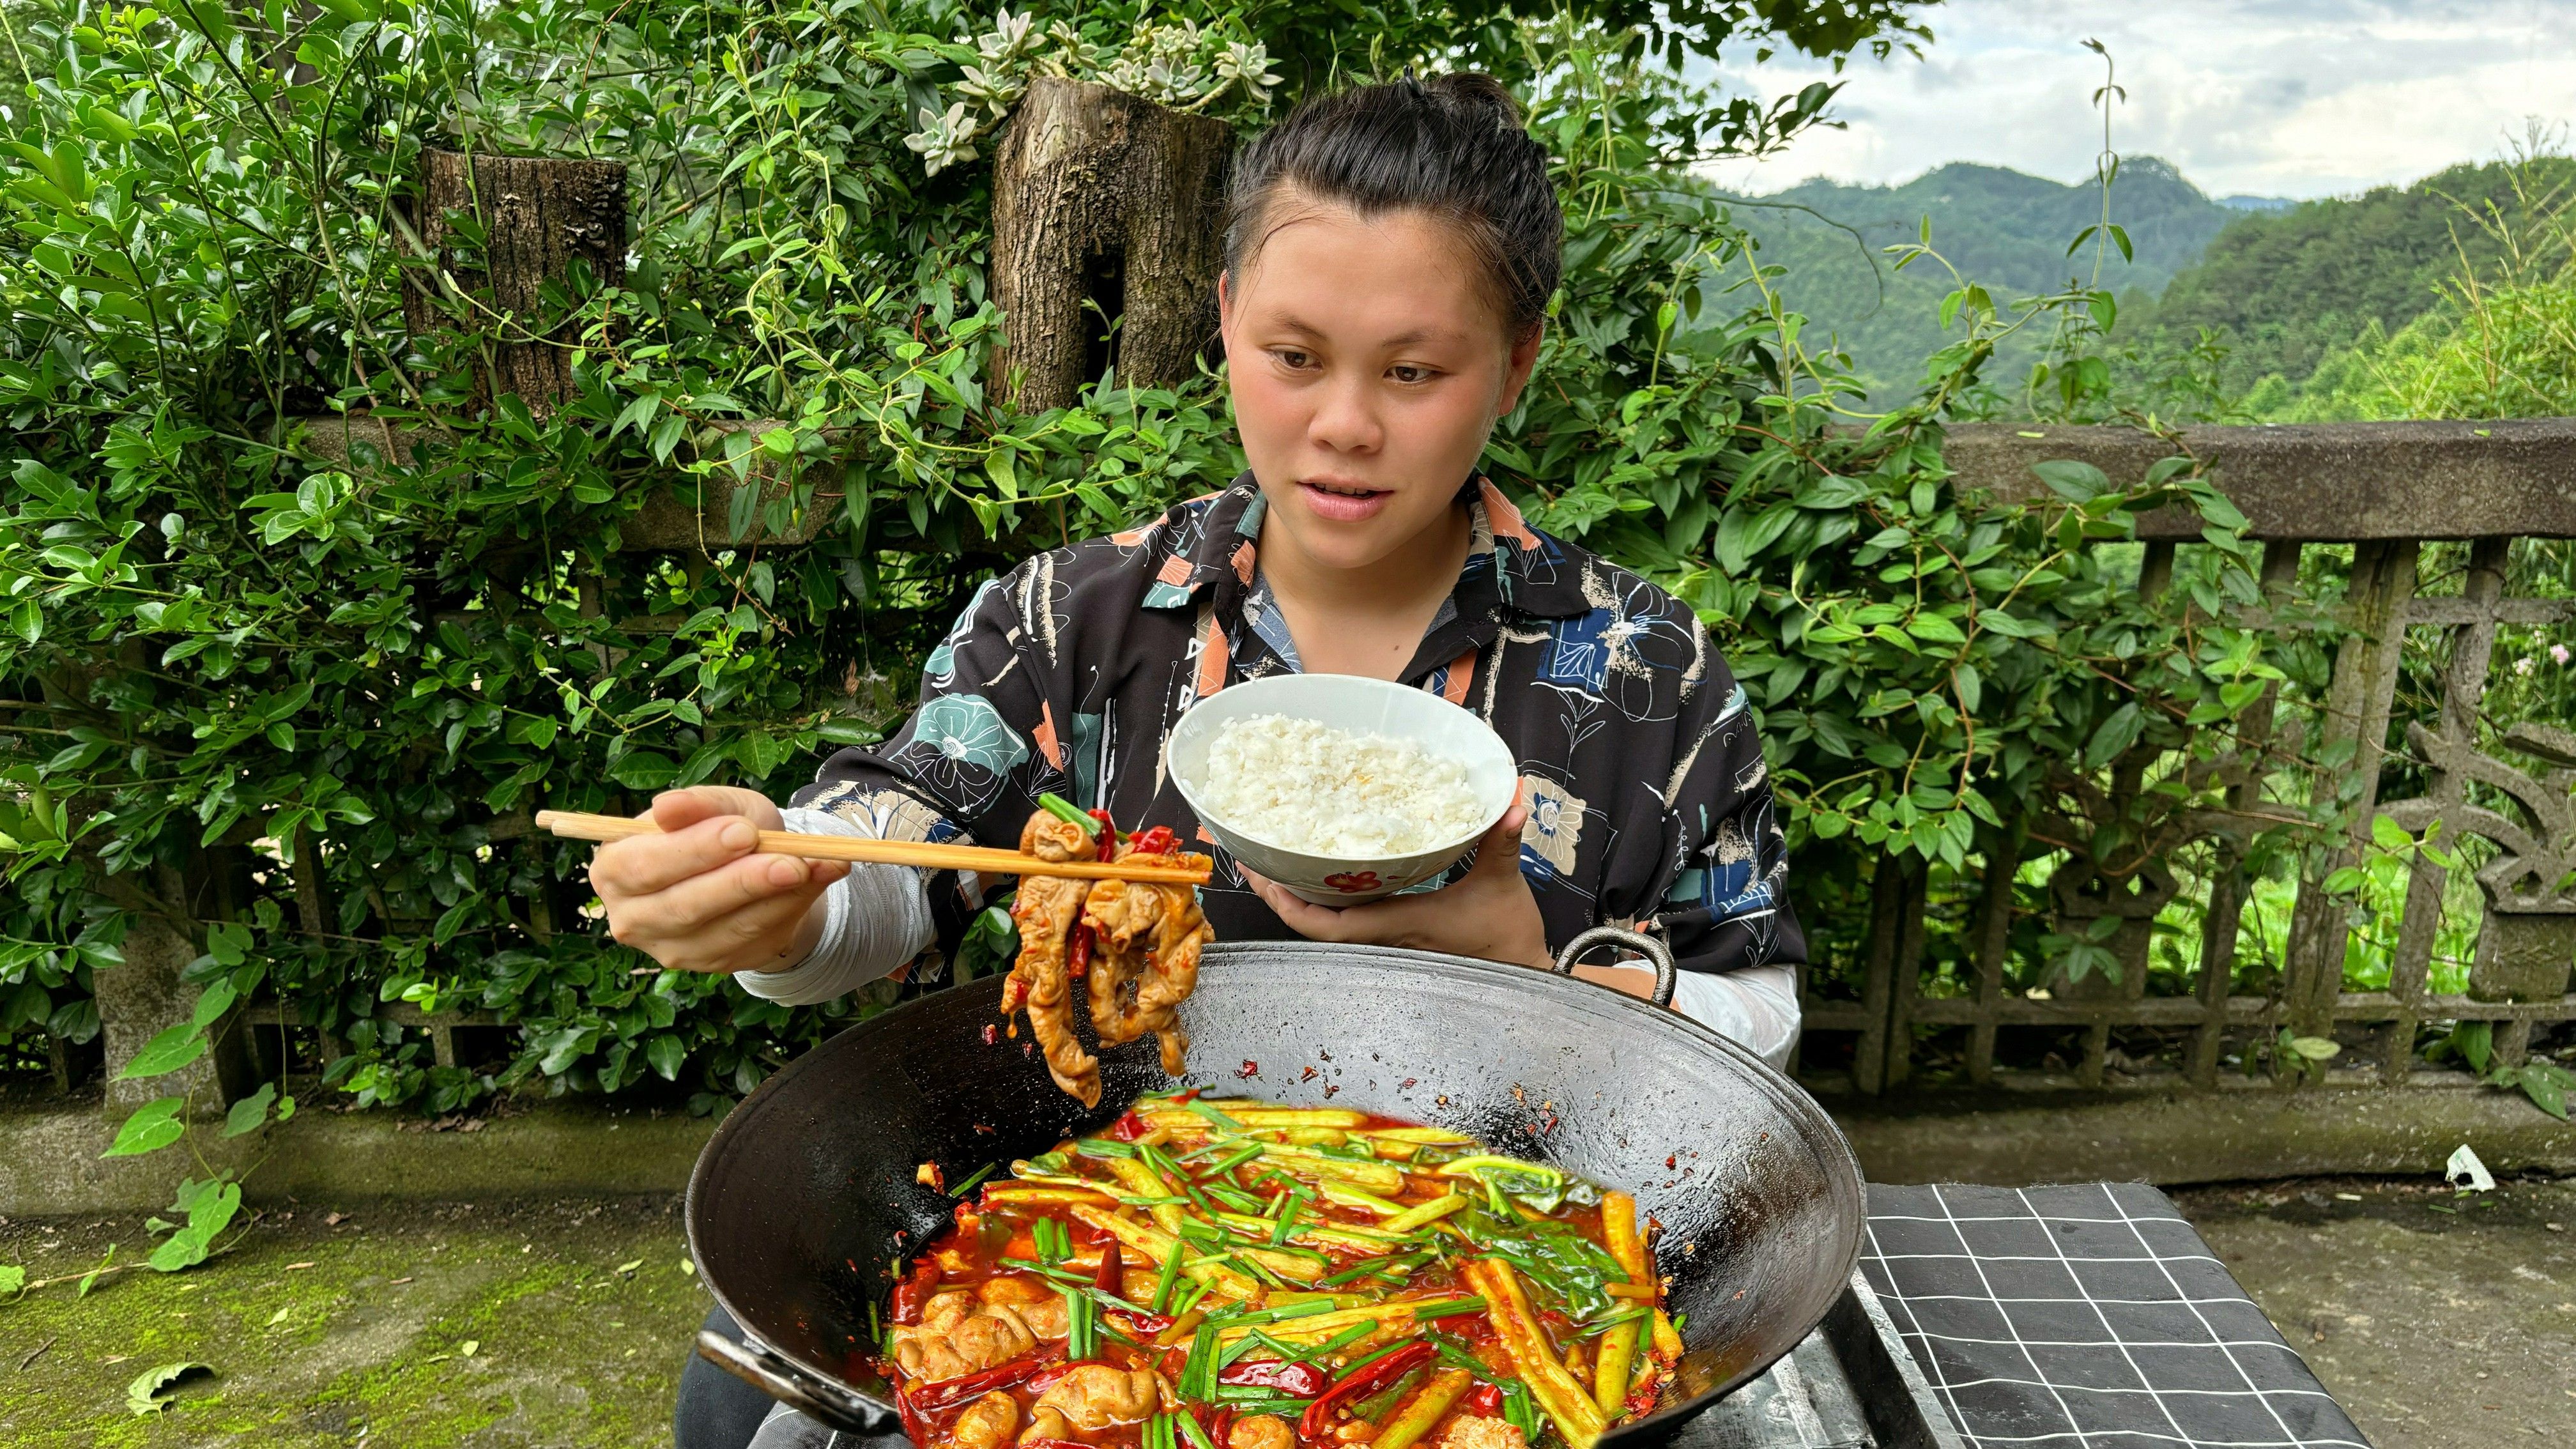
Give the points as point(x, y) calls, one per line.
point(1260, 1431)
point(958, 1335)
point(1040, 1308)
point(1144, 962)
point(1047, 909)
point(987, 1423)
point(1093, 1396)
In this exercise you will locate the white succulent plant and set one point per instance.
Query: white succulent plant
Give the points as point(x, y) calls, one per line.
point(1247, 64)
point(996, 88)
point(1069, 55)
point(943, 140)
point(1008, 40)
point(1172, 63)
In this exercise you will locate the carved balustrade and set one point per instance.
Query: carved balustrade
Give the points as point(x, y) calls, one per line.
point(2494, 800)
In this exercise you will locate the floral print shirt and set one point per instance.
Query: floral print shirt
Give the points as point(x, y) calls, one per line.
point(1650, 804)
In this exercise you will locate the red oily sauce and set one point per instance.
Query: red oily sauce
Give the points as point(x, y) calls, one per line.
point(1239, 1275)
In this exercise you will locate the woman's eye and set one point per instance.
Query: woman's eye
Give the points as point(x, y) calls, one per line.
point(1408, 372)
point(1292, 359)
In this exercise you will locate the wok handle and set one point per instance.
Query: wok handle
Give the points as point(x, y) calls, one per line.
point(828, 1404)
point(1637, 941)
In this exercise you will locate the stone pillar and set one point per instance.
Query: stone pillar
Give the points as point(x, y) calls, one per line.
point(143, 997)
point(2356, 722)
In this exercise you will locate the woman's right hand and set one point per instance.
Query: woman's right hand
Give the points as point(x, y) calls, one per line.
point(697, 898)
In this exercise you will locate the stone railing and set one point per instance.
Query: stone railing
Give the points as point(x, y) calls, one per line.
point(2387, 491)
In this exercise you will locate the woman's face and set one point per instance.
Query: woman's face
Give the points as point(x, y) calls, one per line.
point(1368, 366)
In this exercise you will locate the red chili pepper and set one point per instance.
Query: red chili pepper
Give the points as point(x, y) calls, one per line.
point(1158, 841)
point(1485, 1399)
point(913, 1292)
point(930, 1398)
point(1106, 1278)
point(1077, 952)
point(1045, 1379)
point(1108, 828)
point(1174, 1360)
point(1297, 1380)
point(1129, 1127)
point(1048, 1444)
point(1359, 1382)
point(1220, 1427)
point(915, 1427)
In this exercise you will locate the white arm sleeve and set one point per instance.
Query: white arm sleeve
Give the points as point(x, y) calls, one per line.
point(1756, 1007)
point(875, 920)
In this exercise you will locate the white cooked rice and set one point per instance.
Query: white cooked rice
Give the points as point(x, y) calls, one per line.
point(1305, 786)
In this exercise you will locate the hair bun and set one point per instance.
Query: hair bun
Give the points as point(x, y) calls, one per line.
point(1475, 90)
point(1454, 146)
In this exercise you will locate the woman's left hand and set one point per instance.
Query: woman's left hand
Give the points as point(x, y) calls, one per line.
point(1487, 913)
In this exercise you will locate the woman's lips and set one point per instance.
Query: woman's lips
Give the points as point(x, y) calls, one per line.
point(1343, 506)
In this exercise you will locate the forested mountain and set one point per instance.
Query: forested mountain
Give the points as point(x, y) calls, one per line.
point(1999, 227)
point(2284, 285)
point(2289, 289)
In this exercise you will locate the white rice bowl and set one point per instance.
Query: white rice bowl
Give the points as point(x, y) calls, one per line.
point(1305, 786)
point(1340, 788)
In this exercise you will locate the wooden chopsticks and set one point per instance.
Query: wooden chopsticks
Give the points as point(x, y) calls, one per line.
point(573, 825)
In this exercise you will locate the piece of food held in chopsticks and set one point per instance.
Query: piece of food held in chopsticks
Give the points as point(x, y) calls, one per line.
point(1134, 944)
point(1234, 1275)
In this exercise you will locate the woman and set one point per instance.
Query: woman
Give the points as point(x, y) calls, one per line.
point(1390, 254)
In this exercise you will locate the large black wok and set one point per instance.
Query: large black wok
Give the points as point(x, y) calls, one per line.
point(806, 1194)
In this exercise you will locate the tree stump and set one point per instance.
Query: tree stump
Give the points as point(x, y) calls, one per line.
point(538, 215)
point(1104, 197)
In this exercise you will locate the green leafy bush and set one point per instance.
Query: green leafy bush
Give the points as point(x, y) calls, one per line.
point(299, 694)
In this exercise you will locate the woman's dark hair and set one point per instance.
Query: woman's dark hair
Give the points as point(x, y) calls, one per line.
point(1452, 146)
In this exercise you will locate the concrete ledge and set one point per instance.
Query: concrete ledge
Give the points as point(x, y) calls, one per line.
point(49, 1162)
point(2218, 1137)
point(2319, 482)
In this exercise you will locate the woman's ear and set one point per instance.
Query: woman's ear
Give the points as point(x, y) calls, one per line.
point(1224, 302)
point(1517, 365)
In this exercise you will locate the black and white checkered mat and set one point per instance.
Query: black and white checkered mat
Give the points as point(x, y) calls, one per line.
point(2086, 1317)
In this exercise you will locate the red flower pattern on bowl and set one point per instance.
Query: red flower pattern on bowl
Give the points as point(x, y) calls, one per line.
point(1353, 882)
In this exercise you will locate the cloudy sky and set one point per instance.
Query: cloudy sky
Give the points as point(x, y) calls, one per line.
point(2292, 98)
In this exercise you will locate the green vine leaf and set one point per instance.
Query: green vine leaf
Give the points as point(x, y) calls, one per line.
point(166, 1052)
point(248, 1114)
point(152, 1127)
point(210, 1207)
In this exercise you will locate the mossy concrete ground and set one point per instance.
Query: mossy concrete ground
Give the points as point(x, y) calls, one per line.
point(50, 1162)
point(356, 1332)
point(2439, 1321)
point(2437, 1329)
